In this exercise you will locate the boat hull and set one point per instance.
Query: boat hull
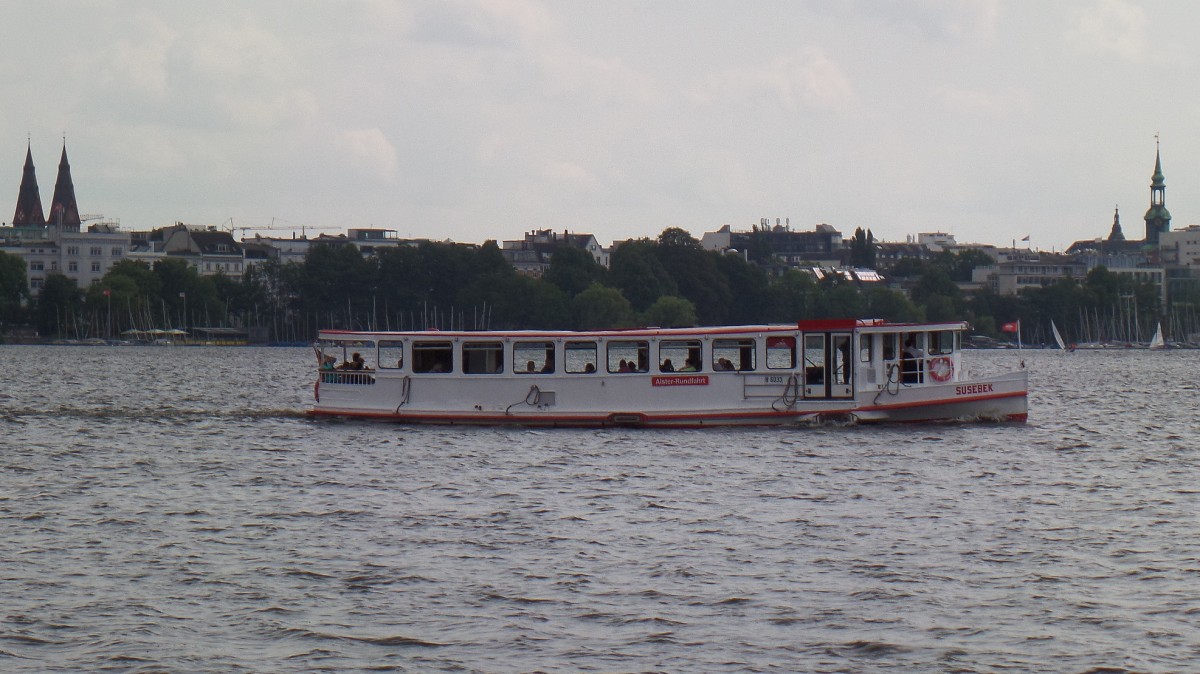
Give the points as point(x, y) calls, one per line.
point(999, 398)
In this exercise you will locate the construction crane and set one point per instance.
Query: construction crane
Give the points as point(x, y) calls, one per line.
point(273, 227)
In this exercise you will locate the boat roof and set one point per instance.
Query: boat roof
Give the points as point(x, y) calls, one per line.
point(820, 325)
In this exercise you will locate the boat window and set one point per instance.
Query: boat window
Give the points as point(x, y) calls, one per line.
point(889, 345)
point(913, 363)
point(941, 341)
point(841, 365)
point(733, 354)
point(628, 355)
point(391, 354)
point(781, 353)
point(483, 357)
point(866, 351)
point(679, 355)
point(342, 350)
point(432, 357)
point(580, 357)
point(533, 357)
point(814, 360)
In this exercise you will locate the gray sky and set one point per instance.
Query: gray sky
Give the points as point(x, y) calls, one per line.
point(482, 119)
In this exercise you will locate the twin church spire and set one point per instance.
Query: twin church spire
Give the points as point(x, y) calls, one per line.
point(64, 211)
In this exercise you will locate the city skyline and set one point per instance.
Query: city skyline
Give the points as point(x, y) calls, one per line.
point(484, 119)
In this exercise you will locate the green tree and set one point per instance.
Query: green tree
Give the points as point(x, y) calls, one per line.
point(58, 306)
point(890, 305)
point(695, 274)
point(862, 249)
point(639, 274)
point(599, 307)
point(793, 297)
point(749, 290)
point(14, 288)
point(573, 270)
point(670, 312)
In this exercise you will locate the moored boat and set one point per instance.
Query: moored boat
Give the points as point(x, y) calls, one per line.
point(843, 370)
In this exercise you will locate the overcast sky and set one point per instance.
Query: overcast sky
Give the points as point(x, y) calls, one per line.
point(483, 119)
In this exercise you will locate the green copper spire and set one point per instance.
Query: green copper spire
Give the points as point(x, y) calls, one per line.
point(1158, 218)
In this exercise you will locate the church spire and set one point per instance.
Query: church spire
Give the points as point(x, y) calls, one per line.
point(1158, 218)
point(1116, 234)
point(64, 212)
point(29, 200)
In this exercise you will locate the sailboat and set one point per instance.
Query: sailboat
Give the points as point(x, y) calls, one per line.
point(1057, 337)
point(1157, 342)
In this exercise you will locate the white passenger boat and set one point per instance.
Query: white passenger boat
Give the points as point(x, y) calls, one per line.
point(814, 371)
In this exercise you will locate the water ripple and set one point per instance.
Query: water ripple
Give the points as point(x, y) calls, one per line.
point(189, 518)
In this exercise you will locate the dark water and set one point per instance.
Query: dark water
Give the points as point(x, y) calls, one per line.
point(169, 509)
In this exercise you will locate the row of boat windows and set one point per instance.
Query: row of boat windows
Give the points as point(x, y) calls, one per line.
point(636, 355)
point(582, 357)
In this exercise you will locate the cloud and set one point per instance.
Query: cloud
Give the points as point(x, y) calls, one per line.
point(1115, 27)
point(369, 151)
point(490, 23)
point(988, 101)
point(808, 79)
point(953, 20)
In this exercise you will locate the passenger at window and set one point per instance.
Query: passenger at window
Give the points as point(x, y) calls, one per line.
point(667, 366)
point(911, 366)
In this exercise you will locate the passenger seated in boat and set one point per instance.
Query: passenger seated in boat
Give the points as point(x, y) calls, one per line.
point(530, 367)
point(589, 368)
point(623, 366)
point(549, 366)
point(667, 366)
point(689, 366)
point(723, 364)
point(327, 363)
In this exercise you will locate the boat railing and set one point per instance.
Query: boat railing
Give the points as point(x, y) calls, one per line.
point(360, 378)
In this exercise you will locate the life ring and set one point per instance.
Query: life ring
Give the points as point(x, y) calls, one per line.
point(941, 369)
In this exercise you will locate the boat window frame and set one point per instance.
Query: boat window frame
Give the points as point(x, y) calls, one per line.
point(543, 348)
point(346, 346)
point(791, 351)
point(392, 346)
point(743, 347)
point(866, 348)
point(693, 348)
point(493, 361)
point(581, 345)
point(935, 341)
point(815, 372)
point(443, 364)
point(643, 354)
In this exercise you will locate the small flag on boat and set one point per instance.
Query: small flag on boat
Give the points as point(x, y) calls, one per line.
point(1026, 237)
point(1014, 326)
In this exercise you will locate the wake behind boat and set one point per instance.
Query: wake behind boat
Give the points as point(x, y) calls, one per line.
point(851, 370)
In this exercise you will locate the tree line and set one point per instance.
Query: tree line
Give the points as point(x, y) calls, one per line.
point(670, 281)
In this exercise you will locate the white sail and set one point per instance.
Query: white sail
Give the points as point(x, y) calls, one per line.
point(1057, 337)
point(1157, 341)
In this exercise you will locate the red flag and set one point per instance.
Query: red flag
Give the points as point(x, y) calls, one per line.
point(1015, 326)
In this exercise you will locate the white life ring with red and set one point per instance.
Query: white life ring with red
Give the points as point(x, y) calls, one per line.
point(941, 369)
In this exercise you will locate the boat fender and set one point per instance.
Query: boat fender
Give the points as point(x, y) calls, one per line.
point(941, 369)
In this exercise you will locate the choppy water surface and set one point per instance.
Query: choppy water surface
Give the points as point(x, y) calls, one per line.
point(170, 509)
